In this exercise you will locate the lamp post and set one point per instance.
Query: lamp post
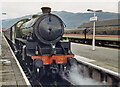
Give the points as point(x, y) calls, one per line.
point(94, 19)
point(1, 35)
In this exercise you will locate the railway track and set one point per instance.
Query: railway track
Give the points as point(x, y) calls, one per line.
point(45, 81)
point(34, 82)
point(28, 73)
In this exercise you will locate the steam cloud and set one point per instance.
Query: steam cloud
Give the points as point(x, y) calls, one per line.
point(76, 77)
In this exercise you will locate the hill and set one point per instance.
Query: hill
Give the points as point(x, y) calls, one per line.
point(72, 20)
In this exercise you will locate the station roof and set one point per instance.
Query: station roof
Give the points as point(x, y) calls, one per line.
point(114, 22)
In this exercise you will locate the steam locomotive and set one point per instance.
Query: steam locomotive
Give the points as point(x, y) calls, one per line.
point(38, 41)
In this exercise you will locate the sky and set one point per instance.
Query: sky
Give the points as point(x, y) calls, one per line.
point(14, 8)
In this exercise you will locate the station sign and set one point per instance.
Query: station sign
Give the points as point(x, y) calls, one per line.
point(94, 18)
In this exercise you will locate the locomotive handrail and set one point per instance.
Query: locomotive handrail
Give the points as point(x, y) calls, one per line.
point(64, 24)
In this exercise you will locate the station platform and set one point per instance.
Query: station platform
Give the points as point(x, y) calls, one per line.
point(102, 56)
point(10, 71)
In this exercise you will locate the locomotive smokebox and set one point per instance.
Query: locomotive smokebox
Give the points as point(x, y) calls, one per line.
point(46, 28)
point(46, 10)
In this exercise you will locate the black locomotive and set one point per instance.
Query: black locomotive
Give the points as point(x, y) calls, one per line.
point(38, 41)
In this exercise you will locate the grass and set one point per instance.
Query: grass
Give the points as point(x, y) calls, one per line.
point(111, 65)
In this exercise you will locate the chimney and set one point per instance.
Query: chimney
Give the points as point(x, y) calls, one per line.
point(46, 10)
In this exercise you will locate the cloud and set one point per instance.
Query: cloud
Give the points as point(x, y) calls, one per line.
point(18, 9)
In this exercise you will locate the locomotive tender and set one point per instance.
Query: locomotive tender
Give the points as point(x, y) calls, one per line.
point(38, 41)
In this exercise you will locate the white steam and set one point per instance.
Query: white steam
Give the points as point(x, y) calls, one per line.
point(78, 79)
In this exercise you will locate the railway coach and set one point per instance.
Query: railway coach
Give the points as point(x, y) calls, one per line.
point(107, 32)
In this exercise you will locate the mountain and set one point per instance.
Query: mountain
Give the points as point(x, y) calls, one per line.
point(7, 23)
point(72, 20)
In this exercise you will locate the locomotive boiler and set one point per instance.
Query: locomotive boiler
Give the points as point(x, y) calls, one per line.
point(38, 41)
